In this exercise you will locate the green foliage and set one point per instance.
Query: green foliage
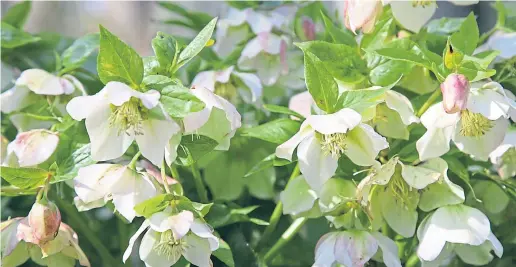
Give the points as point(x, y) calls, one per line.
point(17, 15)
point(193, 147)
point(75, 55)
point(282, 110)
point(13, 37)
point(24, 178)
point(465, 40)
point(197, 44)
point(179, 102)
point(337, 35)
point(276, 131)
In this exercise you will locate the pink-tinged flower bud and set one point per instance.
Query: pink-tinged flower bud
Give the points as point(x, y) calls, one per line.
point(44, 221)
point(308, 28)
point(360, 14)
point(455, 91)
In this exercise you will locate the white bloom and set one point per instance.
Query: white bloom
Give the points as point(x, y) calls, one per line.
point(302, 103)
point(322, 139)
point(502, 42)
point(354, 248)
point(96, 184)
point(456, 224)
point(31, 148)
point(229, 82)
point(392, 117)
point(118, 115)
point(171, 235)
point(477, 130)
point(414, 15)
point(504, 156)
point(219, 120)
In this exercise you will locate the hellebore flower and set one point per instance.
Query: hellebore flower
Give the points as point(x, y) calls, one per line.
point(455, 90)
point(322, 139)
point(477, 130)
point(118, 115)
point(354, 248)
point(229, 83)
point(219, 120)
point(463, 229)
point(44, 220)
point(394, 115)
point(96, 184)
point(504, 156)
point(392, 192)
point(359, 14)
point(171, 235)
point(18, 246)
point(31, 148)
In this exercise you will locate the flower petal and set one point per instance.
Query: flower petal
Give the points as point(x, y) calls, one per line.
point(402, 105)
point(95, 182)
point(14, 99)
point(363, 145)
point(171, 148)
point(81, 107)
point(179, 223)
point(434, 143)
point(355, 247)
point(488, 101)
point(338, 122)
point(198, 251)
point(133, 239)
point(431, 241)
point(252, 82)
point(205, 79)
point(297, 196)
point(34, 147)
point(259, 23)
point(130, 190)
point(203, 230)
point(424, 174)
point(441, 194)
point(324, 250)
point(301, 103)
point(401, 215)
point(315, 166)
point(154, 137)
point(389, 250)
point(286, 149)
point(150, 256)
point(410, 17)
point(436, 117)
point(40, 82)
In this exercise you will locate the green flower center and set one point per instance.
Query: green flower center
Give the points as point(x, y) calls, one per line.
point(333, 144)
point(474, 124)
point(422, 3)
point(169, 246)
point(227, 91)
point(128, 116)
point(399, 188)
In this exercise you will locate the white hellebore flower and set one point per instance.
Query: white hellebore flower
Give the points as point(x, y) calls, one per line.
point(504, 156)
point(413, 15)
point(502, 42)
point(394, 115)
point(322, 139)
point(267, 54)
point(171, 235)
point(96, 184)
point(397, 196)
point(477, 129)
point(219, 120)
point(229, 83)
point(464, 229)
point(354, 248)
point(118, 115)
point(31, 148)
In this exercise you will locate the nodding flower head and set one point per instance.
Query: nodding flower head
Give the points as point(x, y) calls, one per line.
point(44, 220)
point(455, 91)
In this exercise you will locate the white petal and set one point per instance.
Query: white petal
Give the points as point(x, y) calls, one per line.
point(508, 142)
point(503, 42)
point(252, 82)
point(286, 149)
point(76, 85)
point(227, 37)
point(149, 255)
point(205, 79)
point(434, 143)
point(389, 250)
point(412, 18)
point(268, 68)
point(355, 246)
point(132, 189)
point(297, 196)
point(34, 147)
point(106, 141)
point(133, 239)
point(363, 145)
point(250, 51)
point(464, 2)
point(14, 99)
point(488, 102)
point(203, 230)
point(171, 148)
point(118, 93)
point(236, 17)
point(40, 82)
point(259, 23)
point(154, 137)
point(436, 117)
point(81, 107)
point(402, 105)
point(180, 223)
point(424, 174)
point(480, 147)
point(401, 216)
point(54, 85)
point(94, 182)
point(431, 240)
point(359, 13)
point(315, 166)
point(338, 122)
point(198, 251)
point(84, 206)
point(324, 250)
point(301, 103)
point(497, 246)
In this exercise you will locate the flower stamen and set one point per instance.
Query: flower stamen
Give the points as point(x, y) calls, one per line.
point(226, 90)
point(474, 124)
point(333, 144)
point(128, 116)
point(169, 246)
point(422, 3)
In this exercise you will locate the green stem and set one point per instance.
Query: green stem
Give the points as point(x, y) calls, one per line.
point(174, 172)
point(292, 230)
point(132, 164)
point(412, 261)
point(429, 102)
point(79, 224)
point(276, 214)
point(199, 184)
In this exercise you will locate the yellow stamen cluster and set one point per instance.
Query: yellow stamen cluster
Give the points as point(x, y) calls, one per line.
point(169, 246)
point(422, 3)
point(226, 90)
point(128, 116)
point(474, 124)
point(400, 189)
point(333, 144)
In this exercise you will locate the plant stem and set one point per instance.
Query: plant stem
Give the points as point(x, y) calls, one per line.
point(164, 177)
point(132, 164)
point(199, 184)
point(276, 214)
point(79, 223)
point(175, 173)
point(429, 102)
point(412, 261)
point(285, 238)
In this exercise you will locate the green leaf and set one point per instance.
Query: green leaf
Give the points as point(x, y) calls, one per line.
point(222, 215)
point(266, 163)
point(483, 59)
point(75, 55)
point(24, 178)
point(117, 61)
point(13, 191)
point(456, 166)
point(193, 147)
point(13, 37)
point(165, 47)
point(17, 14)
point(197, 20)
point(466, 39)
point(201, 208)
point(383, 29)
point(276, 131)
point(197, 44)
point(474, 72)
point(158, 82)
point(70, 167)
point(282, 110)
point(179, 102)
point(385, 71)
point(153, 205)
point(224, 254)
point(445, 25)
point(337, 35)
point(362, 99)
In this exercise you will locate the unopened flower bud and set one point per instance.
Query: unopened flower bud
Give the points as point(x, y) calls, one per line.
point(44, 220)
point(308, 28)
point(360, 14)
point(455, 91)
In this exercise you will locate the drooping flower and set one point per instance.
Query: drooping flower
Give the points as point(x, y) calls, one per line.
point(96, 184)
point(460, 228)
point(455, 90)
point(18, 246)
point(229, 84)
point(44, 219)
point(354, 248)
point(362, 15)
point(504, 156)
point(172, 235)
point(477, 130)
point(219, 120)
point(392, 117)
point(322, 139)
point(392, 192)
point(31, 148)
point(118, 115)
